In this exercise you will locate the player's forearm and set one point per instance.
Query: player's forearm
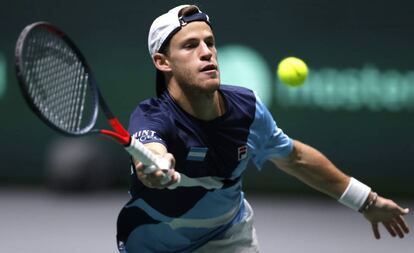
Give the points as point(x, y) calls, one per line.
point(313, 168)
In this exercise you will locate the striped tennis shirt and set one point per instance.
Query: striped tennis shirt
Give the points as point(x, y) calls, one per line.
point(211, 157)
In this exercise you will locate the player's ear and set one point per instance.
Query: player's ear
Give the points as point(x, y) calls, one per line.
point(161, 62)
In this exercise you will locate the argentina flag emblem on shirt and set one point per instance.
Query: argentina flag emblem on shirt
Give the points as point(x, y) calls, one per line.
point(197, 154)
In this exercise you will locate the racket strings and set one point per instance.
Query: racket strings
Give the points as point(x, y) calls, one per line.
point(57, 81)
point(69, 106)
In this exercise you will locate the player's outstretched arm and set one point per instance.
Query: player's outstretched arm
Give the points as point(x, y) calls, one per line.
point(155, 179)
point(313, 168)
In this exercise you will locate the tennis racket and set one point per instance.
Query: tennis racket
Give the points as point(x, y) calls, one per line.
point(59, 87)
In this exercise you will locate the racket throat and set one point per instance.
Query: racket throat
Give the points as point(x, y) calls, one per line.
point(121, 134)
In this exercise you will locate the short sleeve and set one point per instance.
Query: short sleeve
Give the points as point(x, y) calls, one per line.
point(148, 126)
point(266, 140)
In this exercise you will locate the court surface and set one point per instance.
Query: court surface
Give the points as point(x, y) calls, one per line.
point(38, 221)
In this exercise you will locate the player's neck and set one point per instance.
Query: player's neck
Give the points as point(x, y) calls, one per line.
point(200, 105)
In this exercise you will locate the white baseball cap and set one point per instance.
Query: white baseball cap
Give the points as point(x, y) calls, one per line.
point(168, 24)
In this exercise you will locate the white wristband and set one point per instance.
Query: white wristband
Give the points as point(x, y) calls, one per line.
point(355, 194)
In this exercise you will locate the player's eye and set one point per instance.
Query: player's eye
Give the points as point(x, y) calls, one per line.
point(190, 45)
point(210, 43)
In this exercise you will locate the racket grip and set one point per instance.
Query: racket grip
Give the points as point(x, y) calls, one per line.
point(151, 161)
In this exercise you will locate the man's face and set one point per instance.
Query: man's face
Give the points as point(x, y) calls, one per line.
point(193, 58)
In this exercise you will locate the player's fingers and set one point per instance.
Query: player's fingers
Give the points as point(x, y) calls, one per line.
point(390, 229)
point(144, 180)
point(397, 229)
point(170, 177)
point(158, 178)
point(401, 221)
point(171, 159)
point(173, 177)
point(149, 180)
point(153, 183)
point(141, 174)
point(158, 174)
point(403, 211)
point(375, 230)
point(139, 166)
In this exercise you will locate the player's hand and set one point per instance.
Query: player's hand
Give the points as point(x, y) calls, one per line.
point(155, 179)
point(390, 214)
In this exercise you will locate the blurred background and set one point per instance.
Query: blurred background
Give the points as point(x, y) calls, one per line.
point(357, 107)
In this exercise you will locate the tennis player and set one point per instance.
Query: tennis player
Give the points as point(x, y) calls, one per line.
point(209, 132)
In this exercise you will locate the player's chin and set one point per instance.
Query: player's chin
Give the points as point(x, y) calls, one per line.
point(213, 81)
point(211, 85)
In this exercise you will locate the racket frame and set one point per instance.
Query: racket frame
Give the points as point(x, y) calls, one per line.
point(120, 134)
point(20, 74)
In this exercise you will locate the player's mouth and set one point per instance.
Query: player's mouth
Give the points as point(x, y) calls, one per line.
point(209, 69)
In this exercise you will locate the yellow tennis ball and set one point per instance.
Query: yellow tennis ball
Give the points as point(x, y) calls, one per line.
point(292, 71)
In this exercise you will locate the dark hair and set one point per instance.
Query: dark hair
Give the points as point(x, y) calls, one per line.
point(160, 81)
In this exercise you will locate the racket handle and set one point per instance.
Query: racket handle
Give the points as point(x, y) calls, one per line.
point(151, 161)
point(141, 153)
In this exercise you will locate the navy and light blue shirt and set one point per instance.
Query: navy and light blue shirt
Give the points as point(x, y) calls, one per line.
point(211, 157)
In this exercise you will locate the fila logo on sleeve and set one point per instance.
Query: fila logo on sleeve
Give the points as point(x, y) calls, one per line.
point(241, 152)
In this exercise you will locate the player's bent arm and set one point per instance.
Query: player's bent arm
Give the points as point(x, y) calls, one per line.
point(154, 180)
point(313, 168)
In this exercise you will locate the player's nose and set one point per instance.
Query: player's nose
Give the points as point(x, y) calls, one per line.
point(205, 51)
